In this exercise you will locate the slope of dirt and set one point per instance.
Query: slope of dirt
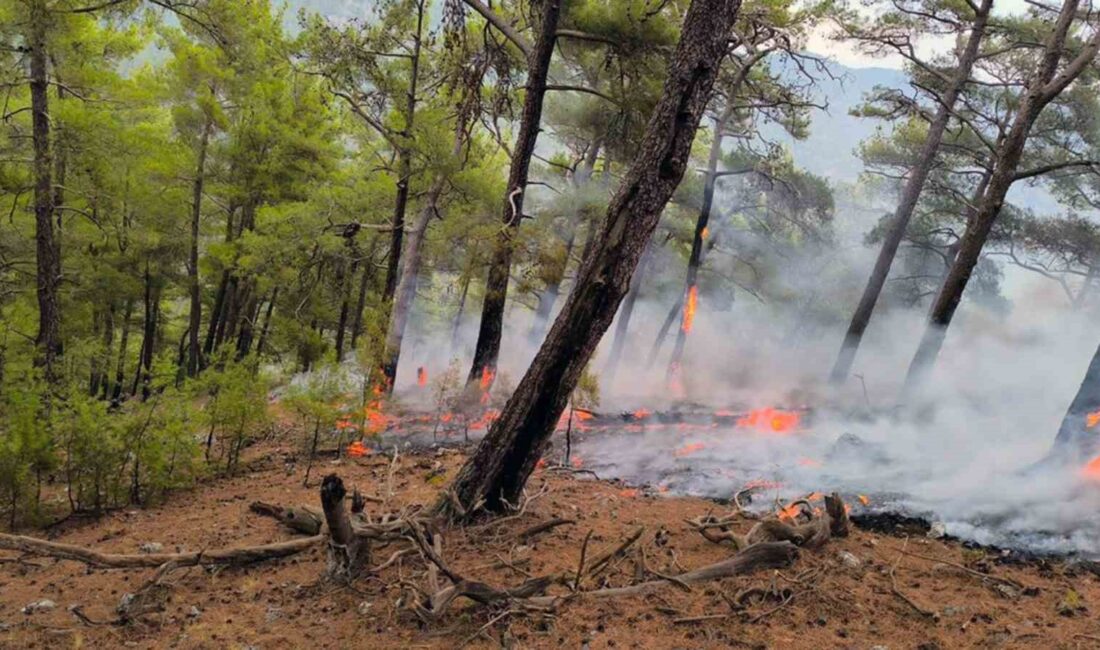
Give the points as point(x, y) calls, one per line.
point(857, 592)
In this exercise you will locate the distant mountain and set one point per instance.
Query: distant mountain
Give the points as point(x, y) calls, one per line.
point(830, 149)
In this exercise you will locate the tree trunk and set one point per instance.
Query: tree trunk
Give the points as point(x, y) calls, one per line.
point(194, 352)
point(1043, 86)
point(404, 165)
point(48, 340)
point(103, 361)
point(498, 470)
point(120, 366)
point(144, 375)
point(465, 280)
point(500, 266)
point(216, 315)
point(248, 322)
point(410, 275)
point(622, 325)
point(1077, 438)
point(345, 309)
point(361, 303)
point(696, 256)
point(267, 322)
point(910, 195)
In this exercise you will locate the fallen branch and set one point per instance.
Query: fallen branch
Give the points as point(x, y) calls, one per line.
point(537, 529)
point(302, 519)
point(231, 556)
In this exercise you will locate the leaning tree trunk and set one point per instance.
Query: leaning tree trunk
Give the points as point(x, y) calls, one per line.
point(404, 166)
point(194, 352)
point(500, 266)
point(414, 247)
point(1079, 436)
point(910, 195)
point(1041, 88)
point(497, 471)
point(48, 340)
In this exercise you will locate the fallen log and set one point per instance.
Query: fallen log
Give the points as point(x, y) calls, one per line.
point(230, 556)
point(302, 519)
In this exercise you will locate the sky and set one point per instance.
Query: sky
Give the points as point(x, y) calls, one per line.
point(846, 54)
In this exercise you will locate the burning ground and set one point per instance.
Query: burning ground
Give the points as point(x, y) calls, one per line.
point(866, 589)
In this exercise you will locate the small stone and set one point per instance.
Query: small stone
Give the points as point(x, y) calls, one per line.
point(151, 547)
point(938, 530)
point(850, 561)
point(364, 607)
point(952, 610)
point(1006, 591)
point(273, 614)
point(39, 606)
point(194, 612)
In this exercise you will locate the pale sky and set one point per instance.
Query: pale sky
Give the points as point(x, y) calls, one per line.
point(846, 54)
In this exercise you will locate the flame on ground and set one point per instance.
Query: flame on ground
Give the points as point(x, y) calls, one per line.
point(357, 450)
point(770, 419)
point(689, 449)
point(690, 305)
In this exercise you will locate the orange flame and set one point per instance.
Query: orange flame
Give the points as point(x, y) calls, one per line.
point(642, 414)
point(577, 462)
point(1091, 470)
point(689, 308)
point(705, 233)
point(864, 500)
point(344, 423)
point(421, 376)
point(770, 419)
point(1092, 419)
point(357, 449)
point(809, 462)
point(487, 376)
point(790, 511)
point(689, 449)
point(583, 415)
point(629, 493)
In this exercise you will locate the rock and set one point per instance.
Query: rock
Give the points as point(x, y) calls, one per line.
point(952, 610)
point(39, 606)
point(851, 447)
point(938, 530)
point(273, 614)
point(151, 547)
point(194, 612)
point(850, 561)
point(364, 607)
point(1006, 591)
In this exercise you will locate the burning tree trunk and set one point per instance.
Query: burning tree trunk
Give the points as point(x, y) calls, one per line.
point(1042, 87)
point(500, 266)
point(918, 174)
point(47, 250)
point(404, 164)
point(1077, 438)
point(194, 352)
point(498, 470)
point(695, 259)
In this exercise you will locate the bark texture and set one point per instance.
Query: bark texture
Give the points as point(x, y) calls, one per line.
point(47, 250)
point(910, 195)
point(194, 352)
point(500, 265)
point(499, 468)
point(1078, 438)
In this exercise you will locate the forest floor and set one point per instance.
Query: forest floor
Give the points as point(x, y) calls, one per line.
point(865, 591)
